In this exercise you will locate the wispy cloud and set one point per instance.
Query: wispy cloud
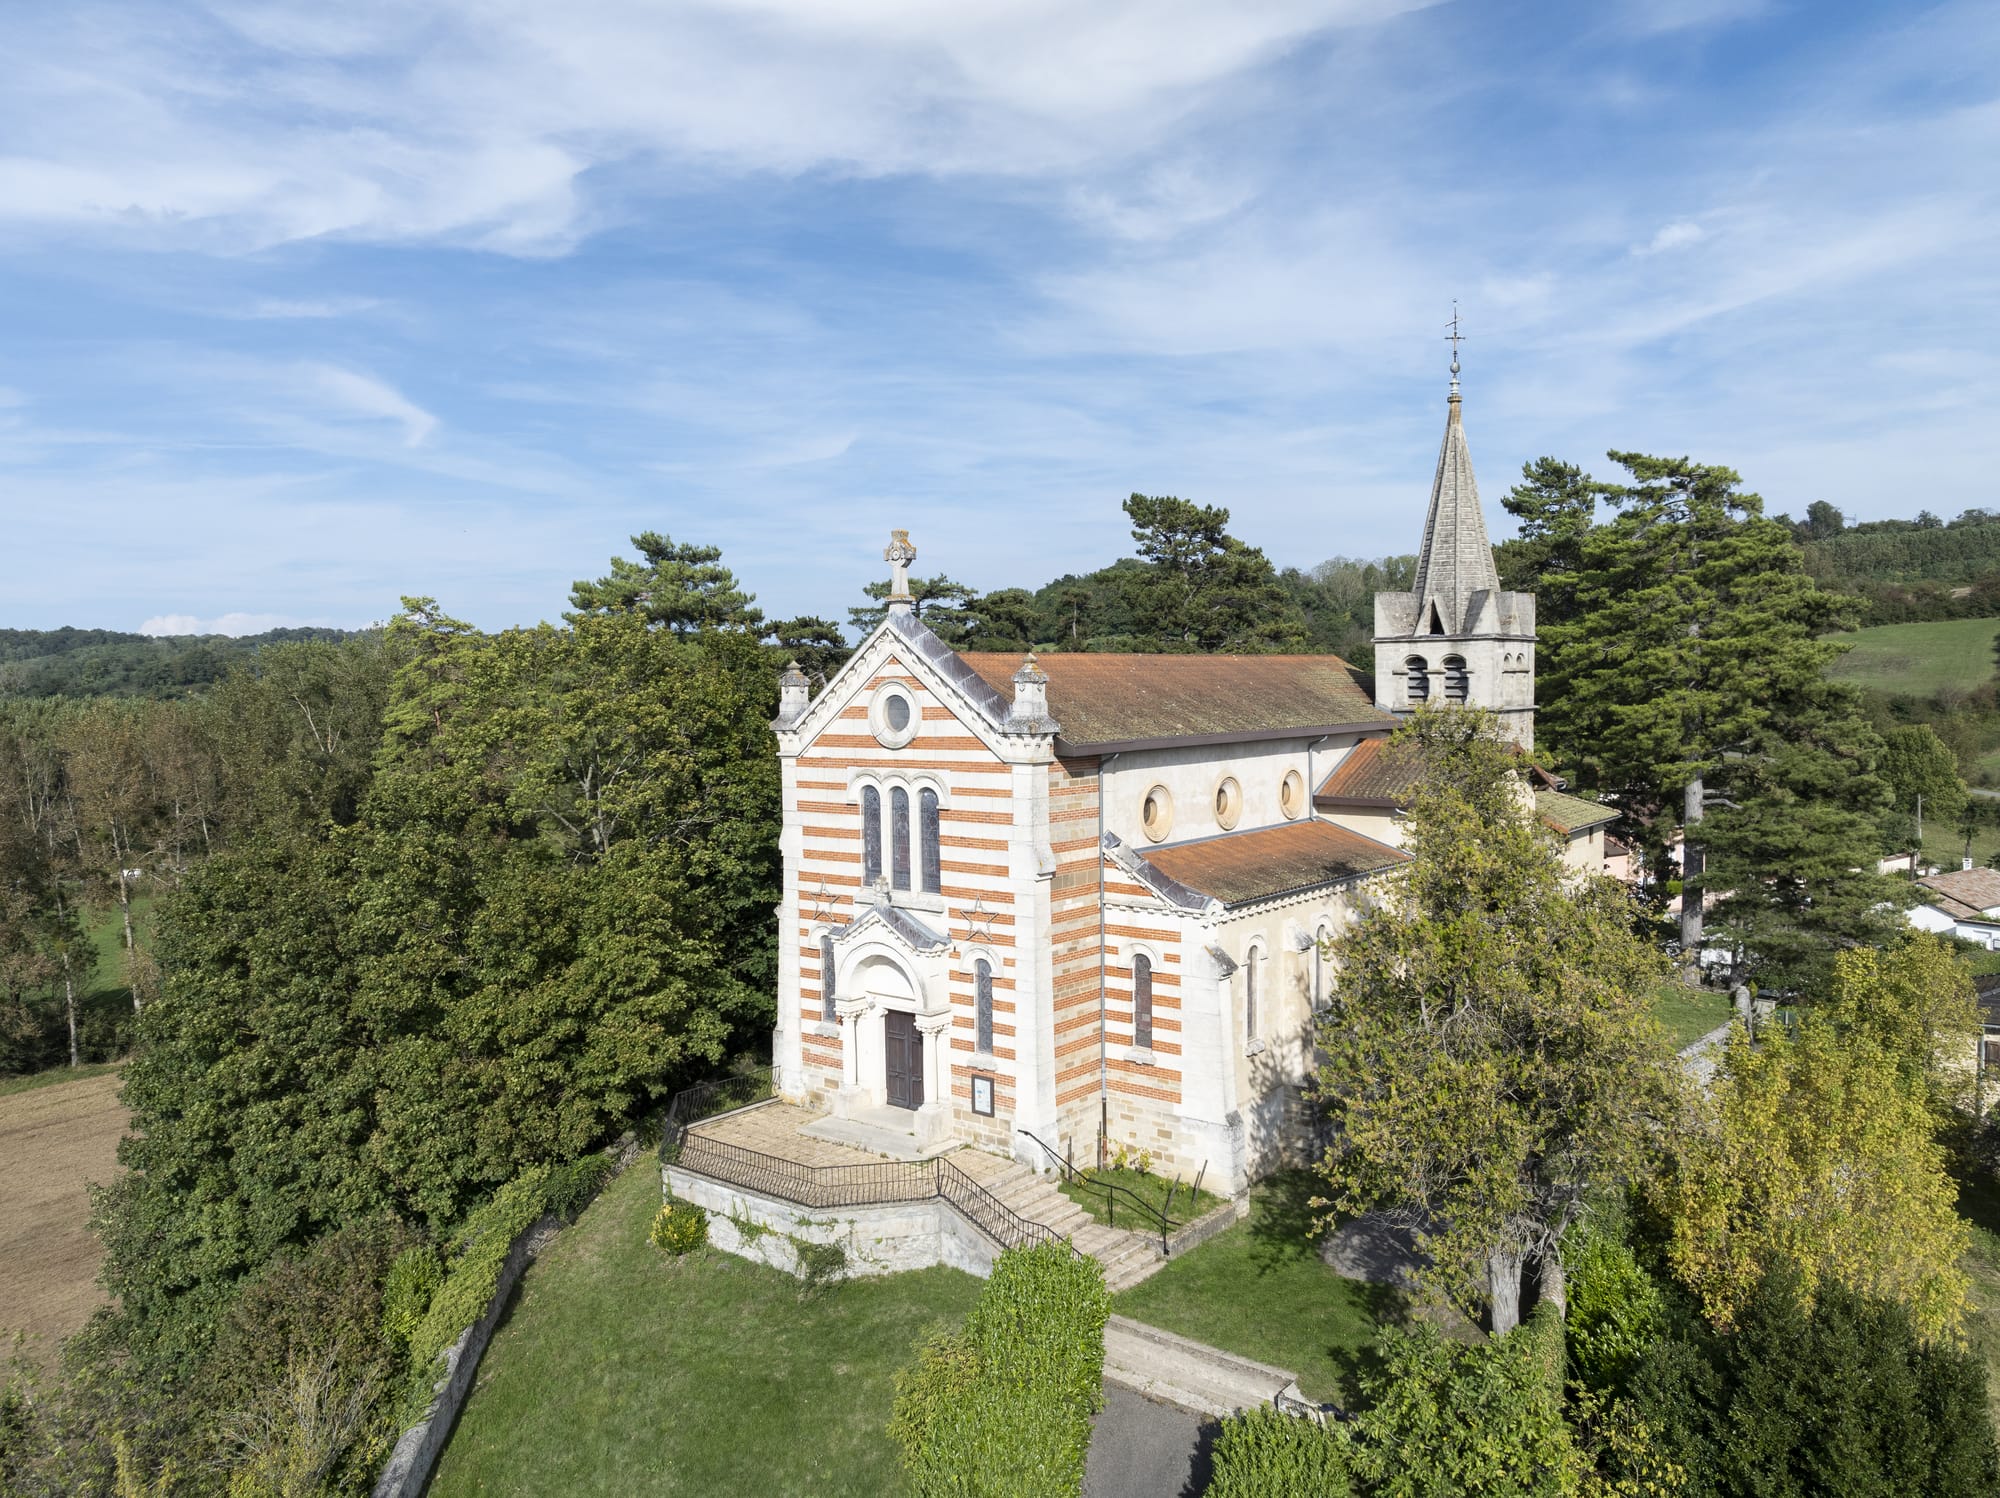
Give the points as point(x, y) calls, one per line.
point(221, 624)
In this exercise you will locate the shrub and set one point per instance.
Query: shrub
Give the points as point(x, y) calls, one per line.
point(1265, 1454)
point(478, 1251)
point(679, 1228)
point(408, 1292)
point(1004, 1409)
point(1616, 1311)
point(575, 1186)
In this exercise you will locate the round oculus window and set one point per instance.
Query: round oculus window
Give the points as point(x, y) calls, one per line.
point(893, 717)
point(1157, 814)
point(1228, 803)
point(1292, 794)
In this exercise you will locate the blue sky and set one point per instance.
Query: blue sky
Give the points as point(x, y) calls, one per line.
point(305, 307)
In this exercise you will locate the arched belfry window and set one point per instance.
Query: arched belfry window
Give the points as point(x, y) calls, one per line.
point(927, 830)
point(871, 834)
point(899, 838)
point(826, 978)
point(1419, 672)
point(982, 1007)
point(1142, 1001)
point(1456, 679)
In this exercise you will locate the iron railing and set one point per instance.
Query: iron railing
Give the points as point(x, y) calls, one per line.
point(721, 1094)
point(1157, 1220)
point(875, 1183)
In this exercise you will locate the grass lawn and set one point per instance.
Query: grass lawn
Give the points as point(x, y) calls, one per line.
point(55, 1077)
point(1152, 1190)
point(1687, 1014)
point(1260, 1290)
point(1979, 1203)
point(106, 929)
point(1919, 659)
point(620, 1371)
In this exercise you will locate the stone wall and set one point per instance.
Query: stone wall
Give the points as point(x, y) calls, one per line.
point(885, 1239)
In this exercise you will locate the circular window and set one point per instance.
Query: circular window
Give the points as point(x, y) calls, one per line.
point(892, 716)
point(1158, 813)
point(1292, 794)
point(1228, 803)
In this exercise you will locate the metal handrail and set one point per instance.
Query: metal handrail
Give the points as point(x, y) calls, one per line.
point(1111, 1191)
point(691, 1105)
point(875, 1183)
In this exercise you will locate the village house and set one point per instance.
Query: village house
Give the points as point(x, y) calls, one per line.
point(1964, 903)
point(1035, 905)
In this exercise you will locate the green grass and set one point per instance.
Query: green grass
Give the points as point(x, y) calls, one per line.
point(1260, 1290)
point(106, 930)
point(1979, 1204)
point(54, 1078)
point(1919, 659)
point(1151, 1190)
point(621, 1371)
point(1687, 1014)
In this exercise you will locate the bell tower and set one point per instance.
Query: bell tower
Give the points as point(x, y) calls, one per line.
point(1455, 637)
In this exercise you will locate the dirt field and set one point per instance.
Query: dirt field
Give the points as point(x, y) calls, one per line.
point(52, 1141)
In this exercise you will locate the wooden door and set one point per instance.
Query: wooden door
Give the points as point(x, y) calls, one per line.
point(903, 1060)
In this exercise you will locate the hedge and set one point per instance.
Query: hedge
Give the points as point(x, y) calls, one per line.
point(1003, 1408)
point(475, 1255)
point(1265, 1454)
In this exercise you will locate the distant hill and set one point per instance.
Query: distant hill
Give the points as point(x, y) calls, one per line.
point(1919, 659)
point(1908, 570)
point(71, 662)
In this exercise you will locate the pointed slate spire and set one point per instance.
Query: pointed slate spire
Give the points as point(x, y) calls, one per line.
point(1456, 559)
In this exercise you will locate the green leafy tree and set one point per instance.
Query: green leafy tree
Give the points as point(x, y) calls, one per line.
point(1822, 1153)
point(678, 585)
point(949, 609)
point(1694, 631)
point(1489, 1058)
point(1008, 619)
point(818, 645)
point(1922, 773)
point(1203, 589)
point(1916, 1001)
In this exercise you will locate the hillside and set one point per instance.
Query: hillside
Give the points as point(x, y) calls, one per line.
point(71, 662)
point(1919, 659)
point(1904, 570)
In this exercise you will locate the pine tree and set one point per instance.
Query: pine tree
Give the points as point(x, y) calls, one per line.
point(679, 585)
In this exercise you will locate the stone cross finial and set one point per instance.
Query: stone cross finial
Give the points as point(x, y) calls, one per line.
point(899, 554)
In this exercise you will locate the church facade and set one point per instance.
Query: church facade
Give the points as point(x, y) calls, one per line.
point(1081, 902)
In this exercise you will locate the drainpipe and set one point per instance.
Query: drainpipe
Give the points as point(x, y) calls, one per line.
point(1103, 1056)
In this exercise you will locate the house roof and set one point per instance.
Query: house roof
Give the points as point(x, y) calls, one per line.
point(1109, 702)
point(1977, 890)
point(1238, 867)
point(1370, 774)
point(1570, 815)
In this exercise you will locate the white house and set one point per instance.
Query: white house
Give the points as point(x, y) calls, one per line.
point(1961, 902)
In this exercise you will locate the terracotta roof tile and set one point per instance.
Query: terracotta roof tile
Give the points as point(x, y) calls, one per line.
point(1238, 867)
point(1370, 774)
point(1106, 700)
point(1978, 888)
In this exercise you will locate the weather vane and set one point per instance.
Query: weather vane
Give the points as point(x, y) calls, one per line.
point(1454, 337)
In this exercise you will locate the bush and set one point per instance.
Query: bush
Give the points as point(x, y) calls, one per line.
point(1004, 1409)
point(1616, 1311)
point(575, 1185)
point(1265, 1454)
point(408, 1292)
point(478, 1251)
point(679, 1228)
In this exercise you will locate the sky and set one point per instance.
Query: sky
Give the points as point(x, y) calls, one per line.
point(304, 308)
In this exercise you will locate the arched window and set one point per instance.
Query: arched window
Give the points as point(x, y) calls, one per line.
point(1320, 994)
point(826, 978)
point(1419, 671)
point(871, 835)
point(927, 826)
point(1455, 678)
point(1142, 1001)
point(899, 837)
point(982, 1007)
point(1250, 992)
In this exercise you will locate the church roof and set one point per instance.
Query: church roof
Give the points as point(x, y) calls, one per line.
point(1112, 702)
point(1456, 560)
point(1238, 867)
point(1570, 815)
point(1370, 774)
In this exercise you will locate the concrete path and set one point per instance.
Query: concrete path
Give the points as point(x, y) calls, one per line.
point(1143, 1449)
point(1175, 1370)
point(1702, 1057)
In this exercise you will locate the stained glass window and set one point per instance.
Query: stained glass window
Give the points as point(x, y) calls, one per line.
point(927, 816)
point(1250, 993)
point(899, 837)
point(826, 978)
point(871, 834)
point(982, 1007)
point(1142, 1001)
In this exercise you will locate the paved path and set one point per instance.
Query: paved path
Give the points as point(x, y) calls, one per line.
point(1702, 1057)
point(1144, 1449)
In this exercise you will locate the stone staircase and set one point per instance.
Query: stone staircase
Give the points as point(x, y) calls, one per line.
point(1127, 1257)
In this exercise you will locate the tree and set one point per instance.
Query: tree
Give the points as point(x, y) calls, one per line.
point(1916, 1001)
point(946, 607)
point(1694, 622)
point(682, 586)
point(1820, 1152)
point(1556, 505)
point(818, 645)
point(1922, 773)
point(1489, 1055)
point(1203, 589)
point(1007, 620)
point(1823, 520)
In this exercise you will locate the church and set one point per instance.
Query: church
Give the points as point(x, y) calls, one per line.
point(1080, 902)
